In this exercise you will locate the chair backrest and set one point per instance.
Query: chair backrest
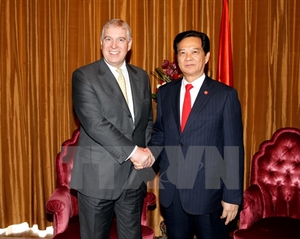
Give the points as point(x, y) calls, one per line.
point(276, 170)
point(64, 160)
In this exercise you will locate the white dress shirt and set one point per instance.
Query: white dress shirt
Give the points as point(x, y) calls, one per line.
point(194, 91)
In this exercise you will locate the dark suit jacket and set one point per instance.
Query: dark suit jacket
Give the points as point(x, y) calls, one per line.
point(201, 161)
point(107, 132)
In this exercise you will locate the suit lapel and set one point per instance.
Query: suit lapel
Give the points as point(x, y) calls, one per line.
point(110, 84)
point(175, 101)
point(135, 85)
point(205, 92)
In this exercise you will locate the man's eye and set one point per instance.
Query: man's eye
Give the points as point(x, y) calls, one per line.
point(121, 40)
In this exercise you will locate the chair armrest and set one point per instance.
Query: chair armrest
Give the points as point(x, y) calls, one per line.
point(252, 207)
point(60, 200)
point(150, 200)
point(60, 205)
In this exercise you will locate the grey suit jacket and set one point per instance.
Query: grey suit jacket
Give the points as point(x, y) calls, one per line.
point(107, 132)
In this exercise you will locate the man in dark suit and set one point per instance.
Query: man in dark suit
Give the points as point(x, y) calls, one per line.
point(115, 126)
point(200, 127)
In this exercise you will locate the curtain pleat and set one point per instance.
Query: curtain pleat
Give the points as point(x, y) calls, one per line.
point(43, 41)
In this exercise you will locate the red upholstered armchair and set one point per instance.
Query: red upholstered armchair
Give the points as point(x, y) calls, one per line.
point(63, 202)
point(271, 206)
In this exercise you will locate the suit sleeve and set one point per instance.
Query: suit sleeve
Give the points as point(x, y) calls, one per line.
point(157, 139)
point(150, 118)
point(233, 149)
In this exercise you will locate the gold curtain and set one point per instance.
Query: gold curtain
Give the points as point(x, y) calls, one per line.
point(43, 41)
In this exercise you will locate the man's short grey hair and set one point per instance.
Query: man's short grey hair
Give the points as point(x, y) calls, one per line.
point(117, 23)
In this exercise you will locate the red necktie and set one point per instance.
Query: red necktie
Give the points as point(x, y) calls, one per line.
point(187, 106)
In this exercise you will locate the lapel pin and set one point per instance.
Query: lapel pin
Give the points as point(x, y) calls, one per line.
point(206, 92)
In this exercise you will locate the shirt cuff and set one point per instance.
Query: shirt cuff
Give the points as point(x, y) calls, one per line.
point(133, 151)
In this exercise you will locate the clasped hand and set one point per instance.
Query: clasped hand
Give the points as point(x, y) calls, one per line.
point(142, 158)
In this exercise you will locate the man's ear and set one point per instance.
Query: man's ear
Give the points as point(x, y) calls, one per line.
point(129, 45)
point(207, 57)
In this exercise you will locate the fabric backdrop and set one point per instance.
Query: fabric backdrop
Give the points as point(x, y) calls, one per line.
point(43, 41)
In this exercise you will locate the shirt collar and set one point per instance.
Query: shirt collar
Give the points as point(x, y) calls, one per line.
point(113, 69)
point(196, 83)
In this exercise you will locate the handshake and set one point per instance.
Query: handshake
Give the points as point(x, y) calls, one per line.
point(142, 158)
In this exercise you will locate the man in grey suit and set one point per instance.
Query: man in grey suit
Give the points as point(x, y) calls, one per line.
point(115, 127)
point(201, 166)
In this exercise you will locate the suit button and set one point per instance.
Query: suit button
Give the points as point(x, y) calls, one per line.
point(181, 144)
